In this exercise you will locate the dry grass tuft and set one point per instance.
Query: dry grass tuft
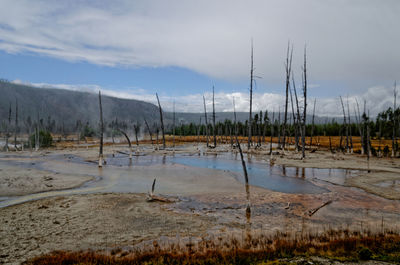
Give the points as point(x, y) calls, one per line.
point(339, 245)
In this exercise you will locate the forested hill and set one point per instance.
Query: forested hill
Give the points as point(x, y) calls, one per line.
point(66, 106)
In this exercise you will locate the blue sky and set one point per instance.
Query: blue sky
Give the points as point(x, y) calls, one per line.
point(180, 49)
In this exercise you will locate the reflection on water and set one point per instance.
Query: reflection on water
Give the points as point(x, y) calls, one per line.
point(109, 179)
point(278, 178)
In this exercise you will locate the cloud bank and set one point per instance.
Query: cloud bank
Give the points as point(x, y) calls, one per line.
point(377, 99)
point(348, 41)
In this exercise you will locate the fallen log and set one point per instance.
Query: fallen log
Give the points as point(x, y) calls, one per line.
point(154, 198)
point(313, 211)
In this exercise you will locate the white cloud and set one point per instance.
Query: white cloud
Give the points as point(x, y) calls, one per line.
point(350, 41)
point(377, 99)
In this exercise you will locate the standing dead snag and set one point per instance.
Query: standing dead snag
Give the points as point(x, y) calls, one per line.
point(349, 121)
point(312, 123)
point(136, 128)
point(272, 132)
point(16, 125)
point(205, 117)
point(360, 127)
point(295, 122)
point(303, 140)
point(251, 97)
point(161, 120)
point(246, 177)
point(214, 128)
point(345, 125)
point(173, 128)
point(148, 129)
point(288, 68)
point(101, 132)
point(129, 142)
point(394, 140)
point(8, 128)
point(299, 128)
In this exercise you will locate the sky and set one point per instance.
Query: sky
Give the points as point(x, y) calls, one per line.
point(181, 49)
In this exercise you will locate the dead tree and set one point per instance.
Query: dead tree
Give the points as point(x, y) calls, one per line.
point(312, 123)
point(157, 132)
point(16, 125)
point(101, 132)
point(198, 132)
point(295, 125)
point(299, 128)
point(8, 128)
point(173, 128)
point(246, 177)
point(360, 127)
point(345, 125)
point(37, 138)
point(251, 97)
point(129, 142)
point(136, 128)
point(272, 131)
point(148, 129)
point(303, 150)
point(279, 128)
point(161, 120)
point(394, 140)
point(288, 69)
point(205, 117)
point(368, 143)
point(214, 128)
point(259, 129)
point(349, 124)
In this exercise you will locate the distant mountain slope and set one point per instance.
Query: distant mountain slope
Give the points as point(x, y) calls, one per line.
point(66, 106)
point(69, 106)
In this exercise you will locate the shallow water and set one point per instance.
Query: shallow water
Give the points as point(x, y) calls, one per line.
point(118, 175)
point(261, 174)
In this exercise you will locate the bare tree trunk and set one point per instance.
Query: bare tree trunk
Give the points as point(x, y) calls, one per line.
point(259, 130)
point(37, 138)
point(368, 144)
point(288, 68)
point(312, 123)
point(360, 129)
point(129, 142)
point(246, 177)
point(173, 129)
point(205, 117)
point(345, 125)
point(295, 125)
point(101, 132)
point(272, 132)
point(157, 132)
point(8, 128)
point(305, 104)
point(394, 140)
point(136, 128)
point(161, 120)
point(349, 125)
point(251, 97)
point(279, 128)
point(148, 129)
point(214, 128)
point(16, 125)
point(198, 132)
point(299, 129)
